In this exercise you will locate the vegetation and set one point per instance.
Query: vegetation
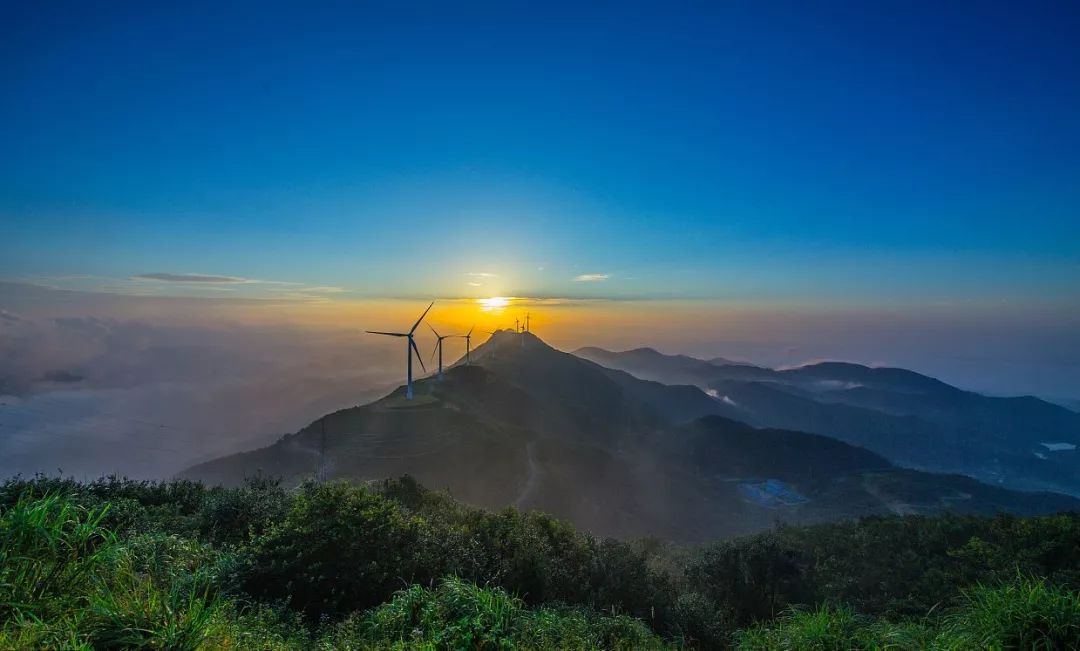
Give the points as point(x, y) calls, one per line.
point(177, 565)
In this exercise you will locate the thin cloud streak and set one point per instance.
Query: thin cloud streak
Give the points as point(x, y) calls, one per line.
point(591, 278)
point(192, 278)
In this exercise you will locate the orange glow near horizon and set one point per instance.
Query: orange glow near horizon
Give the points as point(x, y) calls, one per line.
point(493, 303)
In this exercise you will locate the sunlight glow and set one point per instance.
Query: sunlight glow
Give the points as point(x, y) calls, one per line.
point(493, 303)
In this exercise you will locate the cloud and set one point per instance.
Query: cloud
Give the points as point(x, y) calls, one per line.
point(481, 274)
point(591, 278)
point(716, 395)
point(474, 284)
point(146, 398)
point(192, 278)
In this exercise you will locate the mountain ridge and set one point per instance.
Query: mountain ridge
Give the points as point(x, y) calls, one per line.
point(912, 419)
point(530, 426)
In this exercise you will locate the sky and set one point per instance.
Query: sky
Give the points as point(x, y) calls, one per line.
point(889, 182)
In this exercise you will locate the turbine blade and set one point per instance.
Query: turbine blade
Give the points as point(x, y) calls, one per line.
point(435, 350)
point(470, 331)
point(434, 330)
point(413, 329)
point(389, 334)
point(412, 344)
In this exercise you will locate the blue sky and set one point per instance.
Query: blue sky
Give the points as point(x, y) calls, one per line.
point(844, 153)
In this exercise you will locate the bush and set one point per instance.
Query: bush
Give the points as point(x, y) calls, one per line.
point(236, 515)
point(697, 622)
point(460, 615)
point(339, 548)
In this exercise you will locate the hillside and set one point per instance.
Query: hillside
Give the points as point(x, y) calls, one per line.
point(530, 426)
point(911, 419)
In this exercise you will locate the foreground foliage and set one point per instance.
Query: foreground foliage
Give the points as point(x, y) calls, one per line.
point(1026, 614)
point(122, 564)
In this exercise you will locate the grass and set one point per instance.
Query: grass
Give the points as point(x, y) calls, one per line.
point(49, 549)
point(1027, 614)
point(67, 582)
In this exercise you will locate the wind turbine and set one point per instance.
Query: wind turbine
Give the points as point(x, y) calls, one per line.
point(409, 349)
point(468, 344)
point(492, 333)
point(438, 346)
point(527, 322)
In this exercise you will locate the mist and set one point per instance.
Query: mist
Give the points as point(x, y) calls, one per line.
point(88, 396)
point(96, 383)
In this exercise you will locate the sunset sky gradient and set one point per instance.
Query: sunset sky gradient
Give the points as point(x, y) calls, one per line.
point(883, 182)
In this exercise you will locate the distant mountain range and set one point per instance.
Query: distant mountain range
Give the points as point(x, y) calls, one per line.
point(911, 419)
point(530, 426)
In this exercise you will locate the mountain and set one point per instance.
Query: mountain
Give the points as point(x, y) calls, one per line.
point(530, 426)
point(651, 364)
point(909, 418)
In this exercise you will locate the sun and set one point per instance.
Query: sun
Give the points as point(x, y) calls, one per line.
point(493, 303)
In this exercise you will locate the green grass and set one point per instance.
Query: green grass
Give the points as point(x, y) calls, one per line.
point(66, 582)
point(1027, 614)
point(49, 550)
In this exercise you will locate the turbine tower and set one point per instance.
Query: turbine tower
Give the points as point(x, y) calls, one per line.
point(492, 333)
point(410, 349)
point(468, 345)
point(438, 346)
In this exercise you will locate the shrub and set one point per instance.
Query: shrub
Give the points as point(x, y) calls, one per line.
point(339, 548)
point(235, 515)
point(697, 622)
point(459, 615)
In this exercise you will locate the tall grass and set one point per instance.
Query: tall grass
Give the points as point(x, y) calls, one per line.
point(1026, 614)
point(50, 550)
point(66, 582)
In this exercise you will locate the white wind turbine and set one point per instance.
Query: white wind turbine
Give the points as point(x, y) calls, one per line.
point(409, 350)
point(492, 333)
point(438, 345)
